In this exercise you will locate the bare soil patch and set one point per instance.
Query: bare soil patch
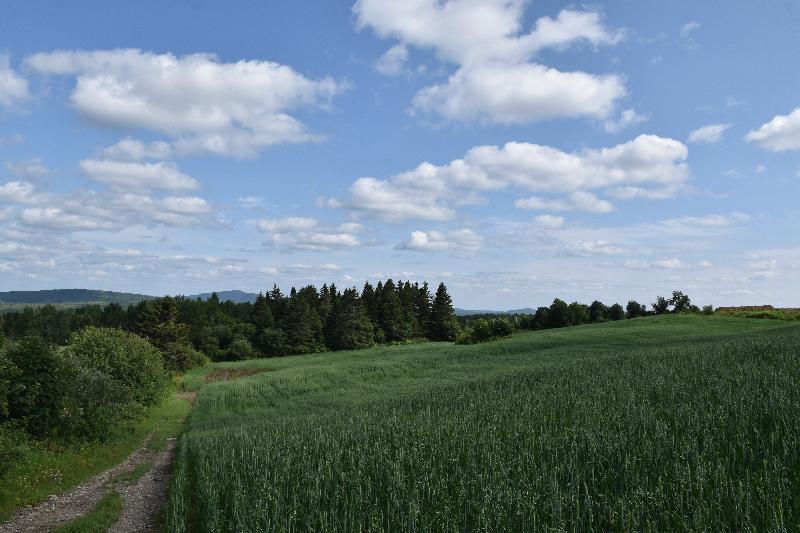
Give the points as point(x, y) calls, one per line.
point(232, 373)
point(187, 396)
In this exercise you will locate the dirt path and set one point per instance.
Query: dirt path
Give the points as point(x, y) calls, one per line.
point(143, 499)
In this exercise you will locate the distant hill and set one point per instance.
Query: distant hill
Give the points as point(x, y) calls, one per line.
point(68, 297)
point(225, 296)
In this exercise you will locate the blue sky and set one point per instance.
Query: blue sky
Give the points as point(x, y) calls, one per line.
point(518, 151)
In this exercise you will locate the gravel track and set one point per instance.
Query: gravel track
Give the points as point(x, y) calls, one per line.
point(142, 499)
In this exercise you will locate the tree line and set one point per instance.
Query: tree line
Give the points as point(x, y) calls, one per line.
point(305, 320)
point(560, 314)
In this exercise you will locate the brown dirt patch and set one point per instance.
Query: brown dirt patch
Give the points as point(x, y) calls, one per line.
point(187, 396)
point(232, 373)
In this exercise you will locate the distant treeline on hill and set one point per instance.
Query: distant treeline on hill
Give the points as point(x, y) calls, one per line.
point(304, 321)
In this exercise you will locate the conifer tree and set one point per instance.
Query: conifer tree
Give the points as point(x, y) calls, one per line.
point(390, 313)
point(443, 325)
point(261, 315)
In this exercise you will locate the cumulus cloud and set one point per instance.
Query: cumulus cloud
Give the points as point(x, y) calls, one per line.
point(54, 218)
point(393, 61)
point(308, 234)
point(651, 164)
point(577, 201)
point(549, 222)
point(129, 149)
point(519, 94)
point(588, 248)
point(18, 192)
point(779, 134)
point(627, 119)
point(708, 134)
point(137, 176)
point(13, 87)
point(207, 106)
point(496, 79)
point(462, 240)
point(29, 169)
point(86, 210)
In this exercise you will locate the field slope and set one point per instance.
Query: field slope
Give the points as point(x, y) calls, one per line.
point(666, 423)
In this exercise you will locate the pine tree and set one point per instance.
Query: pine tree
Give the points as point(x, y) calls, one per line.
point(443, 325)
point(390, 313)
point(261, 315)
point(353, 327)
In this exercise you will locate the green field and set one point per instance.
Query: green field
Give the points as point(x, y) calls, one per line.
point(664, 423)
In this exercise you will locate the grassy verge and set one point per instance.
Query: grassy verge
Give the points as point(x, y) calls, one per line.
point(103, 516)
point(133, 475)
point(48, 469)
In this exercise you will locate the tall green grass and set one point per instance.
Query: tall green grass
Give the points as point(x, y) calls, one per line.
point(673, 423)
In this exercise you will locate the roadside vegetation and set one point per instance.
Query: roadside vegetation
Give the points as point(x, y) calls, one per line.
point(102, 517)
point(679, 422)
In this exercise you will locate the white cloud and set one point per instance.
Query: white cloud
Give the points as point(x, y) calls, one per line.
point(708, 134)
point(286, 225)
point(186, 205)
point(520, 94)
point(463, 240)
point(627, 119)
point(577, 201)
point(30, 168)
point(251, 202)
point(549, 222)
point(13, 87)
point(496, 81)
point(206, 105)
point(654, 165)
point(588, 248)
point(670, 264)
point(689, 27)
point(129, 149)
point(779, 134)
point(53, 218)
point(713, 221)
point(19, 192)
point(308, 234)
point(393, 61)
point(138, 176)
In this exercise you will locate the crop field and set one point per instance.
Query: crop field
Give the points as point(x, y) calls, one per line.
point(665, 423)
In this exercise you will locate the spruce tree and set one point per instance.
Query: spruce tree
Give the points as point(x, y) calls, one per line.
point(443, 325)
point(390, 313)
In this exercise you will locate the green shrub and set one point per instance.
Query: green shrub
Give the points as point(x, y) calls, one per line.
point(180, 357)
point(483, 330)
point(133, 364)
point(38, 391)
point(240, 349)
point(13, 447)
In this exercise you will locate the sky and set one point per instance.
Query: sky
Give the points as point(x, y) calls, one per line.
point(517, 150)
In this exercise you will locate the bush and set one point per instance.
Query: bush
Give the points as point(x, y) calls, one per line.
point(240, 349)
point(502, 328)
point(13, 447)
point(133, 364)
point(38, 391)
point(179, 357)
point(483, 330)
point(708, 309)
